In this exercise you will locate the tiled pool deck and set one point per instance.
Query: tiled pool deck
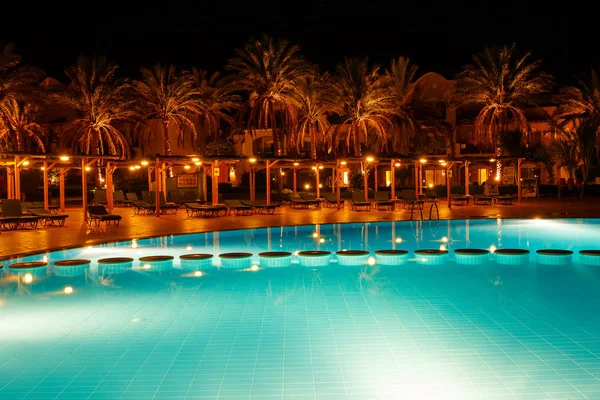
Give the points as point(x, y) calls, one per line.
point(77, 233)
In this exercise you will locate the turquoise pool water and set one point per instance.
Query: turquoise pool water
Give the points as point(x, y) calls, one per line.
point(411, 331)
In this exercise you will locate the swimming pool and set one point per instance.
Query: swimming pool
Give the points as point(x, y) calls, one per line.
point(412, 331)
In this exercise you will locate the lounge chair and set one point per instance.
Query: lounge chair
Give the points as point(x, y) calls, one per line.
point(179, 197)
point(331, 200)
point(358, 200)
point(431, 196)
point(48, 217)
point(99, 214)
point(100, 197)
point(237, 207)
point(410, 199)
point(460, 200)
point(482, 199)
point(149, 197)
point(382, 199)
point(138, 204)
point(119, 198)
point(13, 217)
point(260, 208)
point(505, 199)
point(200, 210)
point(303, 203)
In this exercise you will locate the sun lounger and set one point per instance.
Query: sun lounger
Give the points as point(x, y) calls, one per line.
point(261, 208)
point(303, 203)
point(382, 199)
point(358, 201)
point(48, 217)
point(331, 200)
point(99, 214)
point(138, 204)
point(505, 199)
point(481, 199)
point(13, 217)
point(200, 210)
point(460, 200)
point(236, 207)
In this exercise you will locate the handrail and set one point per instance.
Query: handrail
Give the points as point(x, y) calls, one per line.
point(436, 210)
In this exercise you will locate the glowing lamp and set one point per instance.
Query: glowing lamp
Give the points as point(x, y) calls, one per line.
point(144, 163)
point(344, 162)
point(492, 159)
point(186, 166)
point(195, 159)
point(370, 159)
point(25, 163)
point(307, 186)
point(397, 165)
point(64, 158)
point(132, 167)
point(296, 164)
point(252, 160)
point(423, 160)
point(320, 167)
point(198, 163)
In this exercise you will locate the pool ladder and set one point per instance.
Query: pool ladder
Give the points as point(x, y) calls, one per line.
point(419, 205)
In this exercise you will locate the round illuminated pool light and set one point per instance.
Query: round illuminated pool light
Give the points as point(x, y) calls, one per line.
point(75, 267)
point(314, 258)
point(196, 261)
point(391, 257)
point(35, 268)
point(589, 257)
point(156, 263)
point(352, 257)
point(236, 260)
point(273, 259)
point(431, 256)
point(554, 256)
point(471, 256)
point(512, 256)
point(115, 265)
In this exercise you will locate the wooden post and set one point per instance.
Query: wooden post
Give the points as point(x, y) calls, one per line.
point(519, 193)
point(466, 178)
point(61, 188)
point(334, 172)
point(109, 187)
point(17, 194)
point(46, 188)
point(215, 183)
point(84, 198)
point(295, 181)
point(393, 179)
point(449, 184)
point(268, 178)
point(157, 172)
point(163, 180)
point(375, 177)
point(150, 177)
point(318, 183)
point(10, 182)
point(251, 183)
point(417, 180)
point(204, 185)
point(366, 182)
point(338, 195)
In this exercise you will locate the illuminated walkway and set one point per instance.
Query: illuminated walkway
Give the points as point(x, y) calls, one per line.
point(76, 233)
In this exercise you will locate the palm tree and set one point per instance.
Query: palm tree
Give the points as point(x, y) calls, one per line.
point(268, 70)
point(168, 96)
point(581, 101)
point(413, 118)
point(502, 84)
point(582, 137)
point(365, 102)
point(314, 97)
point(100, 104)
point(217, 101)
point(20, 128)
point(19, 85)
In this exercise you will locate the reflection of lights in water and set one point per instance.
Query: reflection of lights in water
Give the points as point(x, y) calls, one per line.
point(136, 320)
point(445, 239)
point(134, 245)
point(198, 273)
point(45, 259)
point(188, 248)
point(371, 261)
point(28, 278)
point(254, 268)
point(68, 290)
point(146, 266)
point(398, 240)
point(321, 240)
point(492, 249)
point(315, 235)
point(296, 252)
point(442, 247)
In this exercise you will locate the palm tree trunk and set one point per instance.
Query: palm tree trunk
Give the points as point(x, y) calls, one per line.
point(276, 145)
point(356, 141)
point(167, 144)
point(313, 143)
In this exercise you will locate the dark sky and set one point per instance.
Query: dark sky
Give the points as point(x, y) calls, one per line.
point(438, 36)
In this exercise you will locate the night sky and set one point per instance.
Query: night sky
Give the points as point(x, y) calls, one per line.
point(438, 37)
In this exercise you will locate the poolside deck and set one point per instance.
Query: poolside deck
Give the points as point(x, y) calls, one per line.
point(77, 233)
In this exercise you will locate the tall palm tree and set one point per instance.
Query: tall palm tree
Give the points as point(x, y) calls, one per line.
point(267, 70)
point(366, 103)
point(582, 136)
point(19, 84)
point(20, 129)
point(413, 118)
point(217, 101)
point(502, 83)
point(314, 97)
point(579, 102)
point(168, 96)
point(100, 105)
